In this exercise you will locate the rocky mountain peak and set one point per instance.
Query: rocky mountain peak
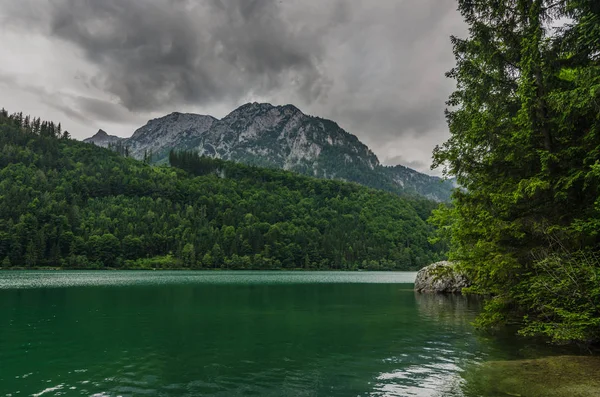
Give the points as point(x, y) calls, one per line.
point(254, 108)
point(101, 138)
point(280, 137)
point(250, 108)
point(290, 108)
point(172, 131)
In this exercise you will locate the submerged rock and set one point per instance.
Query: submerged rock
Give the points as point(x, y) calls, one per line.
point(558, 376)
point(441, 277)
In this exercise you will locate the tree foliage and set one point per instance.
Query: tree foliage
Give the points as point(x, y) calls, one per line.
point(525, 145)
point(66, 203)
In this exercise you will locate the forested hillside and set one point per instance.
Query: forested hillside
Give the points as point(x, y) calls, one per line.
point(69, 204)
point(525, 144)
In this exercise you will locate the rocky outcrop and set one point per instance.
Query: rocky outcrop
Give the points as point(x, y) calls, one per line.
point(441, 277)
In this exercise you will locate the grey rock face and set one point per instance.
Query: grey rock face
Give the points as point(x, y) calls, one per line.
point(441, 277)
point(283, 137)
point(173, 131)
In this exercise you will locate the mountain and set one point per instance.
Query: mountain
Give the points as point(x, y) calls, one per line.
point(69, 204)
point(280, 137)
point(102, 139)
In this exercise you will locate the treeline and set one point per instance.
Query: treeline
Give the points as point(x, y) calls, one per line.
point(67, 204)
point(525, 145)
point(35, 126)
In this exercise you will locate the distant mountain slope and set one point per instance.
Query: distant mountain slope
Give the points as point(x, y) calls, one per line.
point(281, 137)
point(425, 185)
point(102, 139)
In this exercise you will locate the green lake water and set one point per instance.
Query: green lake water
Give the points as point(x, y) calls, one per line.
point(235, 333)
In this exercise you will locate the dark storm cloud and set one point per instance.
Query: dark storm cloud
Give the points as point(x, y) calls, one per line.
point(56, 101)
point(375, 67)
point(152, 52)
point(80, 108)
point(97, 109)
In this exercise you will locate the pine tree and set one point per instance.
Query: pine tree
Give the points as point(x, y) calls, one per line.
point(525, 145)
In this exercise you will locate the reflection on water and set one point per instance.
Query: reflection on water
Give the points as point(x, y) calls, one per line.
point(450, 309)
point(442, 354)
point(228, 334)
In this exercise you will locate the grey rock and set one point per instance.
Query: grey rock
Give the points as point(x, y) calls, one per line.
point(441, 277)
point(173, 131)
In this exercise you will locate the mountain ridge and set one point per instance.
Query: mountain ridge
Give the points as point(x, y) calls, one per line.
point(282, 136)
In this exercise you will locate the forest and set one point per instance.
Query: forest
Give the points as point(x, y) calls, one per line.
point(67, 204)
point(525, 147)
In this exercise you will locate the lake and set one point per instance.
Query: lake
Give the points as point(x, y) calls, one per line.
point(235, 333)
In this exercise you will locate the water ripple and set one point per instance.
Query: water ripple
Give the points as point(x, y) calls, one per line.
point(230, 334)
point(58, 279)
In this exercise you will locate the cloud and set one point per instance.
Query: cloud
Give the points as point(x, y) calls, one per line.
point(80, 108)
point(184, 52)
point(416, 164)
point(377, 68)
point(100, 110)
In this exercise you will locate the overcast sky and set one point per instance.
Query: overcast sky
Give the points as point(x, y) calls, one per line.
point(374, 66)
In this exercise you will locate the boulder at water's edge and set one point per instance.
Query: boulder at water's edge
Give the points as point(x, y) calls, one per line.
point(441, 277)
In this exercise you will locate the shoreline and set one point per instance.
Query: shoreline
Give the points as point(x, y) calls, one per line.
point(59, 269)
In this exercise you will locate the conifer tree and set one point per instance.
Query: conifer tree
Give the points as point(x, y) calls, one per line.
point(525, 146)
